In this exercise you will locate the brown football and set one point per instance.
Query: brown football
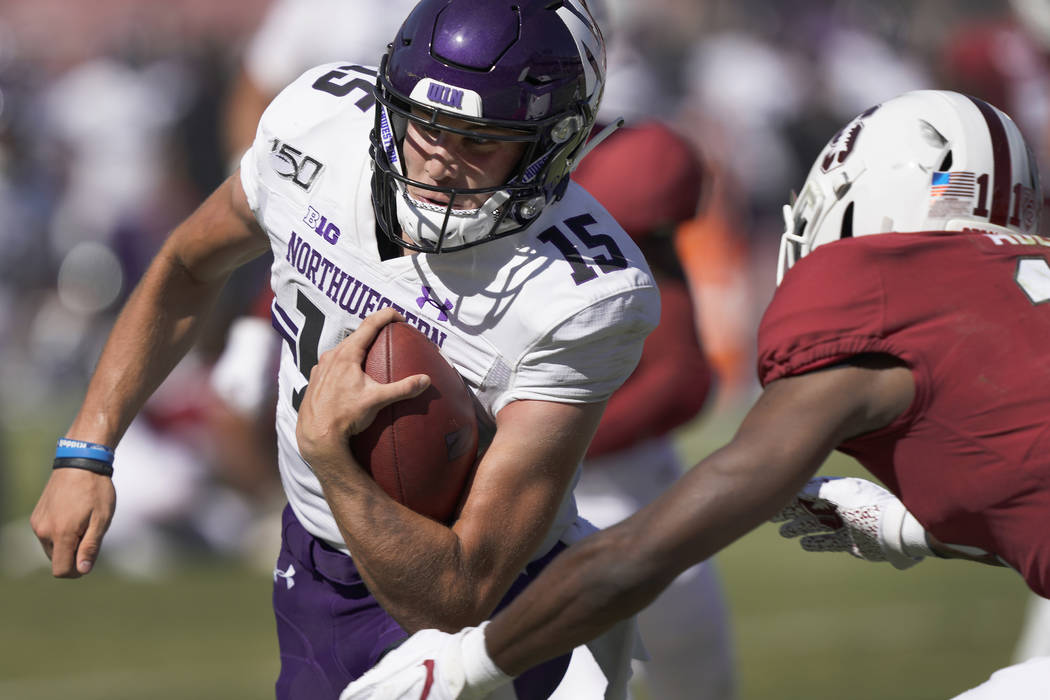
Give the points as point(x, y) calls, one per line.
point(421, 451)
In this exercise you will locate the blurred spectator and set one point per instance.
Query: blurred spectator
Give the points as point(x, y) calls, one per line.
point(298, 34)
point(102, 151)
point(1005, 60)
point(632, 458)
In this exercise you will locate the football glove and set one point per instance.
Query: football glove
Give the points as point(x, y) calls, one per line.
point(432, 665)
point(835, 514)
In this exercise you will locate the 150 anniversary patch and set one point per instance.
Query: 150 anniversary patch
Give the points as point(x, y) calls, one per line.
point(292, 164)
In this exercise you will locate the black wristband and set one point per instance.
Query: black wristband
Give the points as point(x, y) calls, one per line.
point(92, 465)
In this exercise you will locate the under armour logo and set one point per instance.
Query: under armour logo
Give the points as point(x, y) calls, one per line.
point(288, 576)
point(430, 298)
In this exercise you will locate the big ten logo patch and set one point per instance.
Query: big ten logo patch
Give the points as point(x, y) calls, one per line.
point(321, 225)
point(292, 164)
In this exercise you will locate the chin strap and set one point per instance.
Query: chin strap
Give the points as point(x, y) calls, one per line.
point(594, 141)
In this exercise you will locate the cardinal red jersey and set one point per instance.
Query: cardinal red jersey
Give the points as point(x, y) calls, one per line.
point(967, 312)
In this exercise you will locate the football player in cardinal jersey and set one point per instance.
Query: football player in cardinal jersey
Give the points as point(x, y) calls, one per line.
point(434, 189)
point(908, 330)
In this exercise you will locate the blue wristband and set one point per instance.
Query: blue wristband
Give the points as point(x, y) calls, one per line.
point(83, 450)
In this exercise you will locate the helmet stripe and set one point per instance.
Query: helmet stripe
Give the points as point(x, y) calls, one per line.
point(1002, 178)
point(585, 32)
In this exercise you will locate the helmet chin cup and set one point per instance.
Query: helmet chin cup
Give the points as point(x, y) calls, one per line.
point(435, 228)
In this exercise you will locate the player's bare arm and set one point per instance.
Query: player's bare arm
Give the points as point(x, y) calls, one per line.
point(424, 573)
point(784, 439)
point(157, 326)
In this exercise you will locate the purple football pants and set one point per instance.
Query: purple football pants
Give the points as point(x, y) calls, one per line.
point(331, 630)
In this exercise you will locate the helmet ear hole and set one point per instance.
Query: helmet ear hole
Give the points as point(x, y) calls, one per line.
point(847, 222)
point(946, 164)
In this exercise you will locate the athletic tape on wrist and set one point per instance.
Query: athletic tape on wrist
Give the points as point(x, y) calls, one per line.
point(480, 671)
point(890, 540)
point(81, 449)
point(913, 538)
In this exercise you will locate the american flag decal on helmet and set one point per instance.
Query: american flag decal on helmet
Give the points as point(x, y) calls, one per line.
point(954, 184)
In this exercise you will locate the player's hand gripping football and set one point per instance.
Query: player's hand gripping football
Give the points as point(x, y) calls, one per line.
point(836, 514)
point(432, 665)
point(342, 400)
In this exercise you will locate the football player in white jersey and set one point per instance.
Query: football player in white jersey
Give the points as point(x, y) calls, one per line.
point(437, 186)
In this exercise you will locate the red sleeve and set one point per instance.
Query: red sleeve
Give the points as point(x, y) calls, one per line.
point(669, 385)
point(829, 307)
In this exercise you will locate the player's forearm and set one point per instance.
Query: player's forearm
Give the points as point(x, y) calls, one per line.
point(584, 592)
point(617, 572)
point(157, 326)
point(414, 566)
point(726, 495)
point(163, 316)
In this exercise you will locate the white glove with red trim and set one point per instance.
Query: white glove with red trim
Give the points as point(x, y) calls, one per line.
point(432, 665)
point(844, 514)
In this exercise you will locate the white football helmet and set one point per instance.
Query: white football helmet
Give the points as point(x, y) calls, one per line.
point(928, 160)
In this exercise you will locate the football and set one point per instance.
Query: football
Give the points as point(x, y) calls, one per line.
point(421, 451)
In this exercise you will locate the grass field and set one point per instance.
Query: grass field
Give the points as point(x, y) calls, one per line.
point(806, 626)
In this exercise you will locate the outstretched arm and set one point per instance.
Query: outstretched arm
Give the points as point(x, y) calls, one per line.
point(784, 439)
point(158, 324)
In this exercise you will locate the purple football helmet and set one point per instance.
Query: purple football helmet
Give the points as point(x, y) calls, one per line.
point(534, 69)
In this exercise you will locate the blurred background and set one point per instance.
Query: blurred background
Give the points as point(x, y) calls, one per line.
point(117, 118)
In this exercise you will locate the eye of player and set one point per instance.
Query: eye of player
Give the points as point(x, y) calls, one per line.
point(479, 141)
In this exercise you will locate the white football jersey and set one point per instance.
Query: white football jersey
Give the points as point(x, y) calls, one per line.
point(557, 312)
